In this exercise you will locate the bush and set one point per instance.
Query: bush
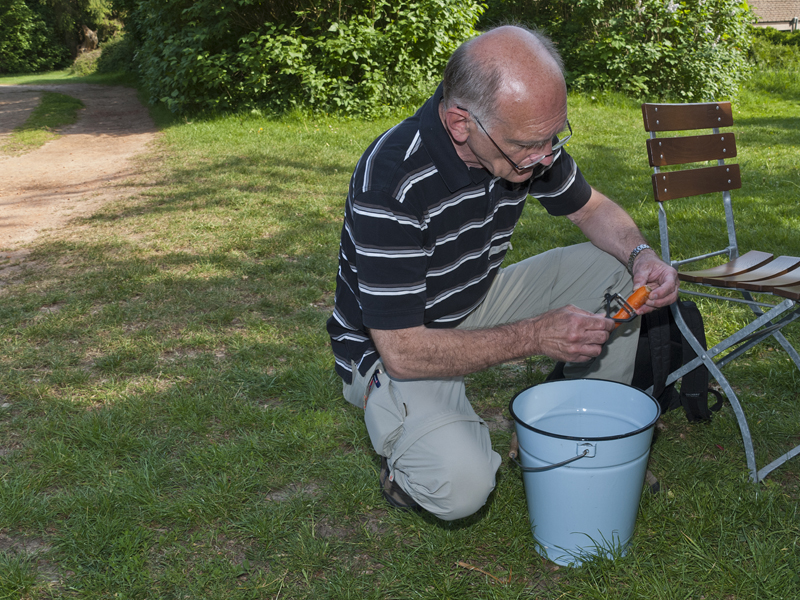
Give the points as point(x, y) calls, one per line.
point(776, 58)
point(85, 63)
point(359, 58)
point(777, 50)
point(117, 55)
point(766, 55)
point(688, 50)
point(43, 35)
point(26, 44)
point(774, 36)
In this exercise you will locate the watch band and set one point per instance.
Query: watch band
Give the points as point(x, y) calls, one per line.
point(636, 251)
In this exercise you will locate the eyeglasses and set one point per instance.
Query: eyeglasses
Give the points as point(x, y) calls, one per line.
point(561, 139)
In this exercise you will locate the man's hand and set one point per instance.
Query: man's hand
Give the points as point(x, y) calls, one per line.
point(571, 334)
point(649, 269)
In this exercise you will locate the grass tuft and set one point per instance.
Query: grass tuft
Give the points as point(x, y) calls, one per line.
point(17, 575)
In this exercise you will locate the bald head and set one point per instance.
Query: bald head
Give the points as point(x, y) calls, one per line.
point(505, 66)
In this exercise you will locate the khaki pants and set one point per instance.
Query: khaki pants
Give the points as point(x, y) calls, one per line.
point(438, 449)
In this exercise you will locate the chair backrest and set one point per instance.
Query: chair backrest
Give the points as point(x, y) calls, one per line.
point(715, 146)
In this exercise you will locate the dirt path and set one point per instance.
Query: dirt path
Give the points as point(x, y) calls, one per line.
point(75, 174)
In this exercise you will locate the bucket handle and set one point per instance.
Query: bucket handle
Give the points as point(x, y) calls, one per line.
point(549, 467)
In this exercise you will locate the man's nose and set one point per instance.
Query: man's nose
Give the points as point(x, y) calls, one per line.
point(548, 159)
point(543, 156)
point(545, 160)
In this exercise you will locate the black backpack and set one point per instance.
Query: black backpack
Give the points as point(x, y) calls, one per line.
point(662, 349)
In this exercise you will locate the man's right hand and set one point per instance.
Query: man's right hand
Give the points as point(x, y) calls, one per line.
point(571, 334)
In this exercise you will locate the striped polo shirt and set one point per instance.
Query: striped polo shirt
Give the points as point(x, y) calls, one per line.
point(424, 235)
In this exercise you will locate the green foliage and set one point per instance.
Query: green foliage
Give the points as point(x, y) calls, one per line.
point(773, 49)
point(776, 58)
point(43, 35)
point(65, 18)
point(27, 45)
point(775, 36)
point(85, 63)
point(691, 51)
point(687, 50)
point(206, 56)
point(117, 55)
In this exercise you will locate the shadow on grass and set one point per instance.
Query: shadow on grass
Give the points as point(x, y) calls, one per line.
point(767, 131)
point(261, 182)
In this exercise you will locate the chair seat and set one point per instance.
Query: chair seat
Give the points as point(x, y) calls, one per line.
point(745, 263)
point(779, 276)
point(766, 274)
point(781, 282)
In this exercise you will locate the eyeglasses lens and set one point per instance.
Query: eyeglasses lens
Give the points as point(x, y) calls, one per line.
point(562, 137)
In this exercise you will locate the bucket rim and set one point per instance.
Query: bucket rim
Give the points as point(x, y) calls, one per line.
point(585, 438)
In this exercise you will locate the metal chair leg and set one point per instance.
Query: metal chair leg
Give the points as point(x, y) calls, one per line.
point(715, 371)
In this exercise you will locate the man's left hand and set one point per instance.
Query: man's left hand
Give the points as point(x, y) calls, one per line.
point(650, 270)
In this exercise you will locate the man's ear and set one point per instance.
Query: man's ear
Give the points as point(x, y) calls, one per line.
point(458, 124)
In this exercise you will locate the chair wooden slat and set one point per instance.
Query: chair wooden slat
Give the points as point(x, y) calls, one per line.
point(771, 270)
point(693, 182)
point(792, 292)
point(678, 117)
point(743, 264)
point(789, 279)
point(696, 148)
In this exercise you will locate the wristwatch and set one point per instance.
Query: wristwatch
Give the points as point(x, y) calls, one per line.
point(636, 251)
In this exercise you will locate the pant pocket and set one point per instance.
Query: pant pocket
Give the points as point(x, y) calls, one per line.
point(384, 417)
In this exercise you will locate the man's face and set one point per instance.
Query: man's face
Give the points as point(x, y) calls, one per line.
point(518, 142)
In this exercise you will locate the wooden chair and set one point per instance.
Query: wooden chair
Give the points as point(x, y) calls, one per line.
point(776, 279)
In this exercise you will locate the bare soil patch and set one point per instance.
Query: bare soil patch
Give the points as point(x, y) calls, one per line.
point(75, 174)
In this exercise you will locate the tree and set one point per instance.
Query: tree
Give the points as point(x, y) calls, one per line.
point(27, 45)
point(65, 17)
point(43, 35)
point(688, 50)
point(355, 57)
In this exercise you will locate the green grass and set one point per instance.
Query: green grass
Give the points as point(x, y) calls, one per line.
point(171, 425)
point(18, 575)
point(65, 76)
point(53, 112)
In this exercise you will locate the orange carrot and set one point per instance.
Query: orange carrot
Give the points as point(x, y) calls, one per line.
point(636, 300)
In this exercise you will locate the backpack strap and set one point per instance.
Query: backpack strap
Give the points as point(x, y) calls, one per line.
point(557, 372)
point(664, 356)
point(658, 333)
point(694, 385)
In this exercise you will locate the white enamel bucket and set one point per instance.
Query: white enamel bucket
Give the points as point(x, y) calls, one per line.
point(584, 446)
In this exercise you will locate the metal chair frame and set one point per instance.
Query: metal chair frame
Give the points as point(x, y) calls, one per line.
point(769, 318)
